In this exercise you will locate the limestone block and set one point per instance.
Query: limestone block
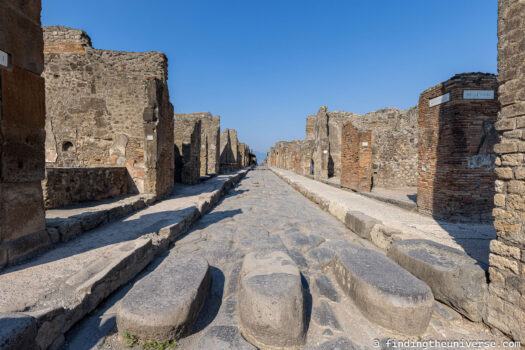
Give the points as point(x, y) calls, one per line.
point(271, 305)
point(453, 276)
point(386, 293)
point(360, 223)
point(164, 304)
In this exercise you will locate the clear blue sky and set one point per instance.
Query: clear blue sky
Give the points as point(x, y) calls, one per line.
point(264, 65)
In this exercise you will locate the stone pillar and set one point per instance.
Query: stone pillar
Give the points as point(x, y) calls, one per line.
point(456, 159)
point(356, 158)
point(310, 128)
point(322, 144)
point(187, 149)
point(22, 136)
point(506, 305)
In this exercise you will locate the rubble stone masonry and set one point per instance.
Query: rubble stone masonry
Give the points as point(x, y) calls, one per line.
point(229, 150)
point(210, 141)
point(457, 136)
point(507, 259)
point(22, 135)
point(356, 161)
point(108, 108)
point(187, 149)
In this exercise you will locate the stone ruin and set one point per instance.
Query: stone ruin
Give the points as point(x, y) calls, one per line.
point(106, 110)
point(210, 141)
point(457, 137)
point(229, 154)
point(187, 149)
point(22, 135)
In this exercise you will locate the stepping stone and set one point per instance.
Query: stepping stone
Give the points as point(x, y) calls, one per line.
point(455, 278)
point(164, 304)
point(223, 338)
point(271, 301)
point(17, 332)
point(387, 294)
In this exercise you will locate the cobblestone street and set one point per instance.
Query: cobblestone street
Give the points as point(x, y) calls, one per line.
point(263, 213)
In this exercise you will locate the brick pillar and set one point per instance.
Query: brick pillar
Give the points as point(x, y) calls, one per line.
point(322, 145)
point(356, 158)
point(22, 136)
point(506, 306)
point(456, 159)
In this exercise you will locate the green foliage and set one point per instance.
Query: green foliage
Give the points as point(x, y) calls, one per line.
point(131, 340)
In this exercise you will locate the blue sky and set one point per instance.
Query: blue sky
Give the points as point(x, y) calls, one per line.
point(264, 65)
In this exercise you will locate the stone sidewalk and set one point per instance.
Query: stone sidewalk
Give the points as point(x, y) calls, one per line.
point(382, 222)
point(60, 287)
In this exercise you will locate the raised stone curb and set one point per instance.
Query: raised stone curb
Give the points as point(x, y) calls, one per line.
point(82, 293)
point(387, 294)
point(454, 277)
point(271, 302)
point(361, 224)
point(163, 305)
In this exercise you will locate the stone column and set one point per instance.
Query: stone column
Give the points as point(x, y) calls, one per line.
point(506, 306)
point(322, 145)
point(22, 136)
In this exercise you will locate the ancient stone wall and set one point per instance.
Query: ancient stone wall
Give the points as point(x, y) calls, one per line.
point(187, 149)
point(356, 158)
point(310, 128)
point(65, 186)
point(210, 141)
point(506, 304)
point(108, 108)
point(321, 158)
point(229, 154)
point(456, 159)
point(22, 135)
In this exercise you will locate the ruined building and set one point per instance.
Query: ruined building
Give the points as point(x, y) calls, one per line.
point(22, 135)
point(456, 159)
point(187, 149)
point(210, 141)
point(229, 154)
point(506, 304)
point(106, 110)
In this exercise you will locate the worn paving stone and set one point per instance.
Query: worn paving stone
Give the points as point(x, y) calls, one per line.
point(336, 344)
point(386, 293)
point(271, 304)
point(325, 317)
point(455, 278)
point(17, 331)
point(326, 288)
point(164, 304)
point(223, 338)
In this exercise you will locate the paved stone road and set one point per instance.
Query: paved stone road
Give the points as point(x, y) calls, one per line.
point(262, 212)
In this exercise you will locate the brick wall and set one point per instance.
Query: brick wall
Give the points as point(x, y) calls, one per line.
point(22, 135)
point(187, 149)
point(456, 159)
point(506, 305)
point(356, 158)
point(65, 186)
point(108, 108)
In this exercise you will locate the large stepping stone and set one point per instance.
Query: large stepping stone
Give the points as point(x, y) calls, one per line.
point(455, 278)
point(271, 301)
point(163, 305)
point(387, 294)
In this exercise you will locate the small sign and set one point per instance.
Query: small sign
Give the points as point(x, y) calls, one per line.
point(364, 144)
point(439, 100)
point(478, 94)
point(4, 59)
point(149, 137)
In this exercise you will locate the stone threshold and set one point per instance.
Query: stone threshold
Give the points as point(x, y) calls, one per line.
point(58, 288)
point(382, 223)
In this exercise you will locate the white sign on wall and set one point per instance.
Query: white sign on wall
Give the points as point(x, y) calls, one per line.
point(4, 59)
point(439, 100)
point(364, 144)
point(478, 94)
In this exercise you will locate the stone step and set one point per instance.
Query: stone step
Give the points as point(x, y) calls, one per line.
point(455, 278)
point(387, 294)
point(271, 301)
point(163, 305)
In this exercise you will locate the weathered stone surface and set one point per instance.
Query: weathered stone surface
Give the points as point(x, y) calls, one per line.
point(188, 140)
point(326, 288)
point(108, 108)
point(223, 338)
point(386, 293)
point(166, 302)
point(325, 317)
point(360, 223)
point(453, 276)
point(229, 154)
point(17, 331)
point(271, 304)
point(340, 343)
